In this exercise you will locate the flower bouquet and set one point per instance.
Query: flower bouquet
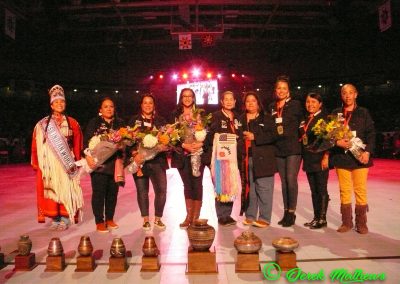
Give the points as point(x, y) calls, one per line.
point(151, 142)
point(335, 129)
point(104, 144)
point(193, 129)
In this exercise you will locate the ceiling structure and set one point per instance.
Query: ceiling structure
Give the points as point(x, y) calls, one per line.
point(116, 22)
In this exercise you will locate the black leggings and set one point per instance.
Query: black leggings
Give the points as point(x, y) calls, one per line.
point(193, 186)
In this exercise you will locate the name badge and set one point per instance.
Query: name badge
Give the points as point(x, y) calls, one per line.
point(147, 124)
point(223, 124)
point(138, 123)
point(302, 124)
point(278, 120)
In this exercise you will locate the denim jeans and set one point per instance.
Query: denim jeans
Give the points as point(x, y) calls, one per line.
point(157, 175)
point(192, 186)
point(104, 196)
point(260, 196)
point(288, 168)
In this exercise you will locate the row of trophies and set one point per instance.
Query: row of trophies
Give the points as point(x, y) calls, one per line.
point(200, 258)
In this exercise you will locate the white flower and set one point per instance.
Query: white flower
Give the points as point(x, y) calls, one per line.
point(94, 141)
point(200, 135)
point(150, 141)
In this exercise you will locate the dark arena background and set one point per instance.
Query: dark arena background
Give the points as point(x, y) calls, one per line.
point(125, 48)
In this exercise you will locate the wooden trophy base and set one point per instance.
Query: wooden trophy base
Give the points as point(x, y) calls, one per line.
point(150, 264)
point(247, 263)
point(55, 263)
point(2, 264)
point(117, 264)
point(201, 262)
point(25, 262)
point(85, 264)
point(286, 260)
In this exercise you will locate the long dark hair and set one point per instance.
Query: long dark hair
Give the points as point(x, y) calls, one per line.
point(180, 106)
point(254, 94)
point(48, 122)
point(148, 95)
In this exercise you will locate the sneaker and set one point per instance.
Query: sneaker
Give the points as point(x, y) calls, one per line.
point(159, 224)
point(146, 226)
point(247, 222)
point(229, 221)
point(260, 224)
point(54, 225)
point(62, 226)
point(101, 228)
point(111, 224)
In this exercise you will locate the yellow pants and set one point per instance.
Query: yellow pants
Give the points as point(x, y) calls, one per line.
point(353, 179)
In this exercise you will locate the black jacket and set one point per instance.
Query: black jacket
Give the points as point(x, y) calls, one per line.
point(292, 114)
point(220, 123)
point(157, 121)
point(93, 127)
point(311, 160)
point(263, 146)
point(362, 123)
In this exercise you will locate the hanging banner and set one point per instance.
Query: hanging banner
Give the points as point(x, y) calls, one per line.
point(185, 41)
point(10, 23)
point(385, 16)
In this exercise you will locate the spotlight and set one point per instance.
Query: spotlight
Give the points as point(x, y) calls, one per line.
point(341, 85)
point(96, 91)
point(137, 91)
point(116, 91)
point(151, 77)
point(196, 72)
point(319, 86)
point(298, 87)
point(243, 76)
point(257, 89)
point(219, 76)
point(75, 90)
point(209, 75)
point(175, 76)
point(161, 76)
point(233, 75)
point(185, 75)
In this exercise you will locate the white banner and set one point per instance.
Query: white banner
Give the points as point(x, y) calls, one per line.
point(10, 22)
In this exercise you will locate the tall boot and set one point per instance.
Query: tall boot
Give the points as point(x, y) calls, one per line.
point(189, 213)
point(196, 210)
point(347, 218)
point(285, 215)
point(321, 223)
point(361, 219)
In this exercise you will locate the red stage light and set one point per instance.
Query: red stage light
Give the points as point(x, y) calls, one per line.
point(219, 76)
point(185, 75)
point(233, 75)
point(209, 75)
point(161, 76)
point(151, 77)
point(242, 75)
point(175, 76)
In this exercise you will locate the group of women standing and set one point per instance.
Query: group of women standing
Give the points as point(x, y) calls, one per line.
point(268, 141)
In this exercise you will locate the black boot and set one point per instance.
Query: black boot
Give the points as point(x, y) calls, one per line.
point(312, 222)
point(290, 220)
point(283, 218)
point(322, 218)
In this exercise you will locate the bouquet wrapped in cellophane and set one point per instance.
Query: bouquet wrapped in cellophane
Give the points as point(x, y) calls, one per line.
point(104, 144)
point(152, 142)
point(192, 128)
point(327, 133)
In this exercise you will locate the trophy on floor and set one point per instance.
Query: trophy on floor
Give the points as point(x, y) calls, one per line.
point(285, 257)
point(85, 261)
point(247, 245)
point(55, 260)
point(200, 258)
point(151, 255)
point(25, 260)
point(117, 261)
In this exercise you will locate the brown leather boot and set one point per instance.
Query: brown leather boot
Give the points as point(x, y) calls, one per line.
point(189, 213)
point(361, 219)
point(347, 218)
point(196, 210)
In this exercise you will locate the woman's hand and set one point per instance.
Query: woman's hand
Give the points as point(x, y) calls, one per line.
point(343, 143)
point(248, 135)
point(192, 147)
point(90, 161)
point(364, 159)
point(325, 162)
